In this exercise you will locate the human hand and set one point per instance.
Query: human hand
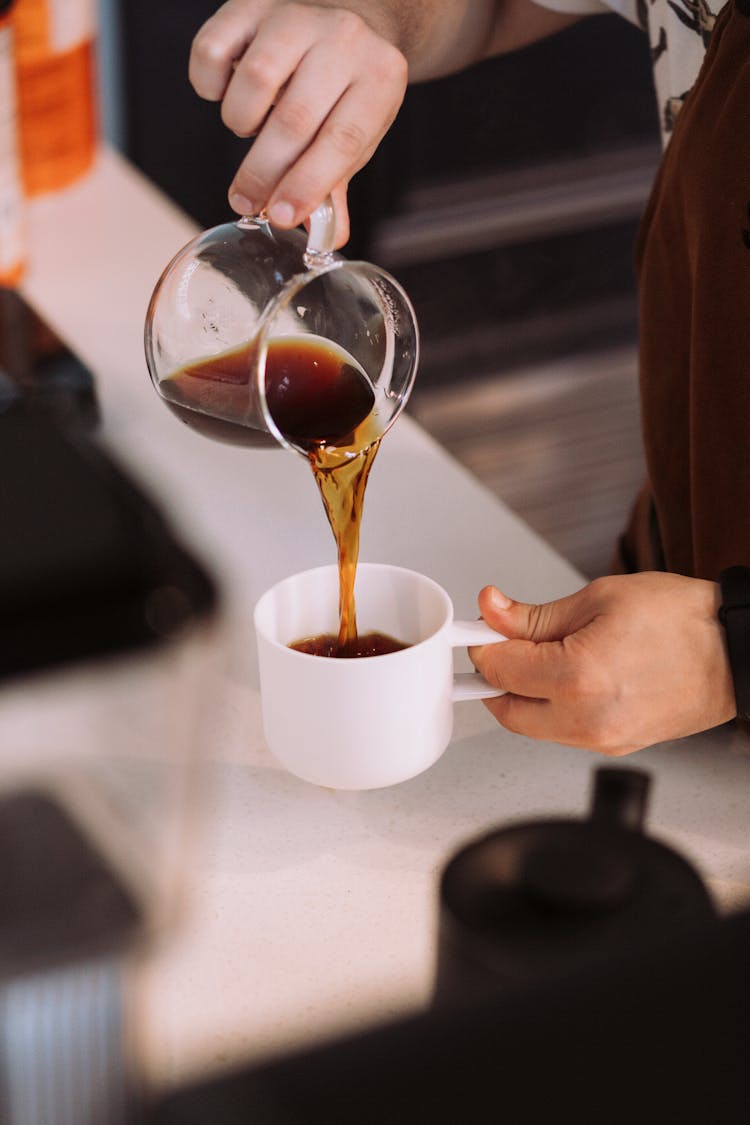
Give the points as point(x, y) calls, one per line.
point(627, 661)
point(315, 85)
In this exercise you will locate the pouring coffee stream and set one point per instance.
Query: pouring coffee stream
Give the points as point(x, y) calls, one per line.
point(259, 337)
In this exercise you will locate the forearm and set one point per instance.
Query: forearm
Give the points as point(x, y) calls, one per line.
point(439, 37)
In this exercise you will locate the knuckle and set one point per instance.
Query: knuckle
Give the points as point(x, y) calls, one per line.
point(294, 118)
point(348, 138)
point(537, 621)
point(230, 117)
point(348, 24)
point(384, 60)
point(251, 185)
point(579, 685)
point(392, 66)
point(260, 70)
point(207, 50)
point(587, 685)
point(486, 666)
point(594, 705)
point(601, 588)
point(234, 119)
point(207, 69)
point(508, 714)
point(602, 731)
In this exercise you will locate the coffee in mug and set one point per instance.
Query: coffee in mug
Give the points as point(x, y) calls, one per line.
point(393, 710)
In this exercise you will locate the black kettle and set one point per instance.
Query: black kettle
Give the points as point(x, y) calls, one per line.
point(552, 898)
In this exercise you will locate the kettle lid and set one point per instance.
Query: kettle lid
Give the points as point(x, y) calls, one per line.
point(547, 893)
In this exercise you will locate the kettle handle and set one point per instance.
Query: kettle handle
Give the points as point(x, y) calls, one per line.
point(620, 796)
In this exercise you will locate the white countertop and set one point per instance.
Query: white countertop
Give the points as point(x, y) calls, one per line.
point(313, 912)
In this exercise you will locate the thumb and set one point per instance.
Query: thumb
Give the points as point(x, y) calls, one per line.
point(522, 621)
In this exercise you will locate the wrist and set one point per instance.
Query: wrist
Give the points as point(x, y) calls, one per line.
point(734, 615)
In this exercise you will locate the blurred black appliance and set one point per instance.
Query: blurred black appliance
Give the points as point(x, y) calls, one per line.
point(92, 583)
point(607, 991)
point(554, 898)
point(89, 566)
point(660, 1036)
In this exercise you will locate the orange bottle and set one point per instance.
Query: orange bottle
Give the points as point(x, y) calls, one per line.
point(56, 83)
point(12, 231)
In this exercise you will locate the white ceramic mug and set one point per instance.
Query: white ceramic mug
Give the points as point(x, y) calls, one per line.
point(372, 721)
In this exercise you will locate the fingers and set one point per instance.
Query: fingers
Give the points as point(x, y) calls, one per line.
point(592, 670)
point(536, 661)
point(289, 129)
point(316, 86)
point(546, 721)
point(218, 44)
point(549, 622)
point(340, 149)
point(323, 128)
point(557, 688)
point(531, 717)
point(260, 77)
point(554, 692)
point(524, 668)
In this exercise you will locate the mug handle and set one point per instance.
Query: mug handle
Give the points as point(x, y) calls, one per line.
point(470, 685)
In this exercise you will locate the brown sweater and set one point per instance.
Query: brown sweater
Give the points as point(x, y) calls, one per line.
point(694, 290)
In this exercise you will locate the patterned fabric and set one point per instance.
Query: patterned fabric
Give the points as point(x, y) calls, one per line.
point(678, 31)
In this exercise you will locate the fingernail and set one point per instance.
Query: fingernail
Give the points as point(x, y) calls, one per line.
point(281, 213)
point(241, 204)
point(499, 600)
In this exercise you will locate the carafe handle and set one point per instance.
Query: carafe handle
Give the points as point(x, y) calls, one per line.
point(321, 238)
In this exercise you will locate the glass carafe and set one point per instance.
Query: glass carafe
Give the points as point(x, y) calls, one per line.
point(261, 337)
